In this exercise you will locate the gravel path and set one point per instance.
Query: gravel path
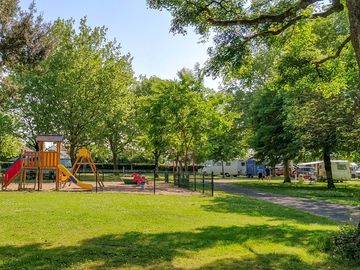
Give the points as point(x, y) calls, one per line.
point(337, 212)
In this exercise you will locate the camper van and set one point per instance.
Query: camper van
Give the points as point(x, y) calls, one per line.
point(340, 169)
point(252, 168)
point(231, 168)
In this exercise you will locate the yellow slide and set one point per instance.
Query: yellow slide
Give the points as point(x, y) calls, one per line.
point(73, 179)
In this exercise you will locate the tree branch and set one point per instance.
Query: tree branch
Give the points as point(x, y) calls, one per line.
point(274, 32)
point(336, 6)
point(267, 18)
point(337, 53)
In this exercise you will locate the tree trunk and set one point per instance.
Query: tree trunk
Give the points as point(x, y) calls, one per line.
point(222, 169)
point(156, 160)
point(273, 171)
point(114, 155)
point(115, 161)
point(177, 163)
point(354, 19)
point(186, 165)
point(327, 165)
point(286, 172)
point(72, 153)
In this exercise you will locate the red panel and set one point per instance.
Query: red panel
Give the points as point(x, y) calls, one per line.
point(12, 172)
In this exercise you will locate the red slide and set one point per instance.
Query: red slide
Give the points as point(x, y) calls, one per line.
point(11, 173)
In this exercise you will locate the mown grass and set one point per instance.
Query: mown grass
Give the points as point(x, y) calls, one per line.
point(344, 193)
point(50, 230)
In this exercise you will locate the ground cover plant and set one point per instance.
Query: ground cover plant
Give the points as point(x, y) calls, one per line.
point(130, 231)
point(344, 193)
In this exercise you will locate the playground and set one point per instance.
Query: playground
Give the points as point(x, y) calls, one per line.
point(84, 223)
point(16, 177)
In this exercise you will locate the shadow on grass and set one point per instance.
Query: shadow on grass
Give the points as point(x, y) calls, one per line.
point(157, 251)
point(344, 191)
point(261, 261)
point(258, 208)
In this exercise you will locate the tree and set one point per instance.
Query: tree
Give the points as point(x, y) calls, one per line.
point(153, 116)
point(172, 117)
point(70, 92)
point(24, 40)
point(120, 128)
point(224, 134)
point(273, 136)
point(241, 26)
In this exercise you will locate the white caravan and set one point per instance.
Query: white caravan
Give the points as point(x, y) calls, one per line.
point(231, 168)
point(340, 169)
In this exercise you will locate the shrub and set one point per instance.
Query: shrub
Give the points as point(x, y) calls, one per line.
point(345, 244)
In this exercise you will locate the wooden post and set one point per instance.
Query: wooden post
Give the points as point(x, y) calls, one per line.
point(58, 149)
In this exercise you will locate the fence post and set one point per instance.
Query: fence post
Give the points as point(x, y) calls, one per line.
point(212, 184)
point(203, 183)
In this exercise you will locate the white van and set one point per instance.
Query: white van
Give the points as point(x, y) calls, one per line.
point(231, 168)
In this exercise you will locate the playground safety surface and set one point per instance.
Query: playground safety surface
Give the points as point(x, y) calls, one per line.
point(160, 188)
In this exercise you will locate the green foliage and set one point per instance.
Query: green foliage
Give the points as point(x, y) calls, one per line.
point(345, 244)
point(273, 139)
point(24, 41)
point(225, 130)
point(76, 90)
point(173, 116)
point(10, 144)
point(240, 28)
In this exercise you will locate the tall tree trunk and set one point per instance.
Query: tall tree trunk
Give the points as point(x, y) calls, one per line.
point(222, 169)
point(273, 171)
point(114, 155)
point(156, 160)
point(327, 165)
point(186, 165)
point(72, 152)
point(177, 163)
point(354, 19)
point(115, 161)
point(286, 172)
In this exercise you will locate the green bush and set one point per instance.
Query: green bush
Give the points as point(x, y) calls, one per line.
point(345, 244)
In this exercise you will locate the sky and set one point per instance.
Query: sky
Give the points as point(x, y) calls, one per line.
point(142, 32)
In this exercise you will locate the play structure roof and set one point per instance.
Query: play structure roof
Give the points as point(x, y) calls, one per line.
point(50, 138)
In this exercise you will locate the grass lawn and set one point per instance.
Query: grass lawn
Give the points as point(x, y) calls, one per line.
point(344, 193)
point(49, 230)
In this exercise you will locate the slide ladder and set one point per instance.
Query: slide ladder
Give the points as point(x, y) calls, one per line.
point(11, 173)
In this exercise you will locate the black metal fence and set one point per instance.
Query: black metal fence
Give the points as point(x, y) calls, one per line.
point(195, 182)
point(188, 180)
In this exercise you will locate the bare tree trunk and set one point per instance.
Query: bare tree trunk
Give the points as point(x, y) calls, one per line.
point(186, 160)
point(156, 160)
point(286, 172)
point(327, 165)
point(72, 152)
point(177, 163)
point(115, 161)
point(354, 19)
point(114, 155)
point(222, 169)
